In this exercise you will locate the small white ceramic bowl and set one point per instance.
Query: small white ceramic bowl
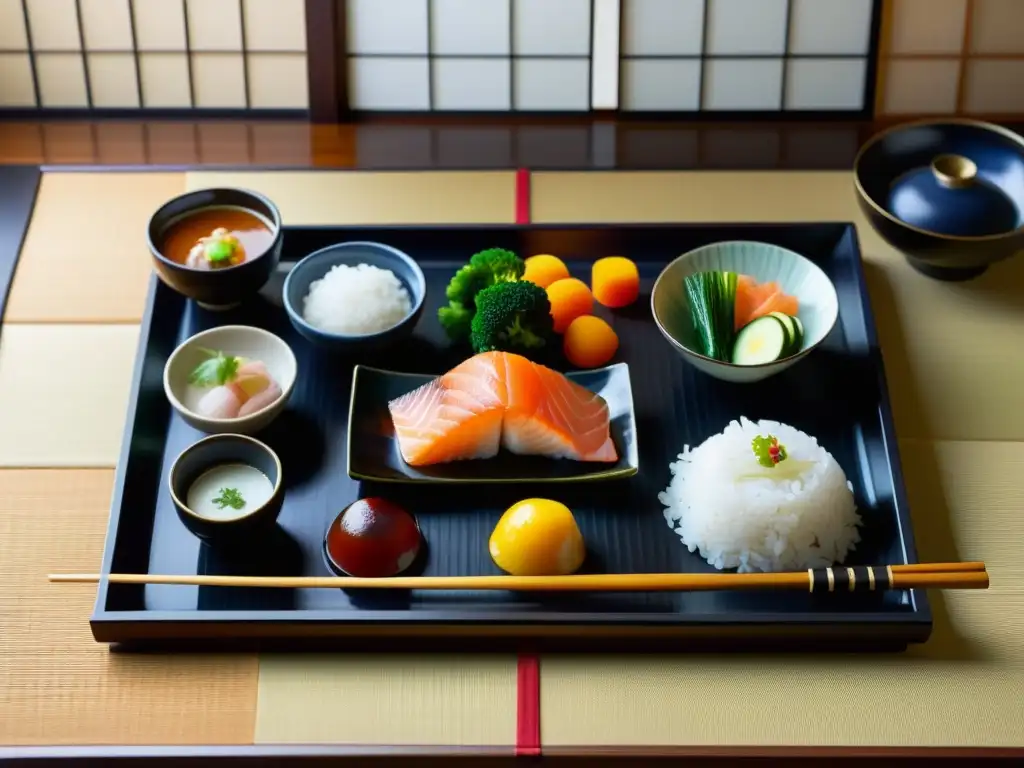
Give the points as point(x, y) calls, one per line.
point(796, 275)
point(242, 341)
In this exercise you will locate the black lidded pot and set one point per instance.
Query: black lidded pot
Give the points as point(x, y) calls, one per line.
point(948, 193)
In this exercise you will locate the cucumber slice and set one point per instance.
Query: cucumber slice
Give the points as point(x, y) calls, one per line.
point(790, 326)
point(799, 333)
point(763, 340)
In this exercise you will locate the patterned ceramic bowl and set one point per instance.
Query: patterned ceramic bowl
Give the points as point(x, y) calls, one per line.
point(796, 275)
point(947, 193)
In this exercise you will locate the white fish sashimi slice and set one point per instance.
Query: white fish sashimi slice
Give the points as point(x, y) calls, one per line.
point(251, 379)
point(219, 403)
point(260, 401)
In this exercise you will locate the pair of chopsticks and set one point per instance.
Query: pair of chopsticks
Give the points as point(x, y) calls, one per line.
point(836, 579)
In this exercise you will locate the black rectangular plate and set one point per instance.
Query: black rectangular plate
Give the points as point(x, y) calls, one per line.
point(373, 452)
point(837, 394)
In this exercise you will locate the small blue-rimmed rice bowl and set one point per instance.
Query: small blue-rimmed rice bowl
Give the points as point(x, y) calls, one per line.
point(317, 264)
point(796, 275)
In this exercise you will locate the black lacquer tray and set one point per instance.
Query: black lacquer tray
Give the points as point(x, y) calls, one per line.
point(837, 394)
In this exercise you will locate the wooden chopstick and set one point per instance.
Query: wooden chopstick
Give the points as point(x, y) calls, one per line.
point(837, 579)
point(938, 567)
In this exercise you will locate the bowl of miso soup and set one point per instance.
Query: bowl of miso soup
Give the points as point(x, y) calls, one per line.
point(216, 246)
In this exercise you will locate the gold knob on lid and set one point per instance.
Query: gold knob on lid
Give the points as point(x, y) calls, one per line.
point(954, 171)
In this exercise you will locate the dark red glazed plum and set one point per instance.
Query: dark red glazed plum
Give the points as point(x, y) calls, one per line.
point(373, 538)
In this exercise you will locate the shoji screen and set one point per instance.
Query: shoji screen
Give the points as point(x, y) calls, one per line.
point(634, 55)
point(746, 55)
point(221, 54)
point(470, 55)
point(953, 57)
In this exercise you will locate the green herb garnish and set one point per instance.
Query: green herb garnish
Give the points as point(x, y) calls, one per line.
point(217, 370)
point(712, 299)
point(768, 450)
point(218, 250)
point(229, 497)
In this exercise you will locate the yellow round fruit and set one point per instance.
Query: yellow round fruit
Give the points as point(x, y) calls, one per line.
point(544, 269)
point(537, 537)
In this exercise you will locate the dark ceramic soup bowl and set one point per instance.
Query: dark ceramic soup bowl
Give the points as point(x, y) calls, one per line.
point(227, 488)
point(947, 193)
point(217, 280)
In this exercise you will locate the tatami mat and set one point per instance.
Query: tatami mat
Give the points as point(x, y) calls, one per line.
point(63, 400)
point(369, 699)
point(353, 197)
point(366, 699)
point(953, 352)
point(963, 688)
point(57, 685)
point(651, 196)
point(85, 258)
point(64, 393)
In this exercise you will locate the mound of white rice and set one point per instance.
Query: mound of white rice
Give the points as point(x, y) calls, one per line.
point(354, 300)
point(796, 515)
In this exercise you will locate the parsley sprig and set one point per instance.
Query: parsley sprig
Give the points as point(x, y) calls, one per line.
point(229, 497)
point(218, 369)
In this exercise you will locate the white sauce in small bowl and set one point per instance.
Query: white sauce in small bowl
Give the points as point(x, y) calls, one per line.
point(239, 483)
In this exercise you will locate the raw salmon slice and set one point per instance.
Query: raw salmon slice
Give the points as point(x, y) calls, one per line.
point(559, 419)
point(499, 399)
point(454, 417)
point(754, 300)
point(745, 299)
point(777, 302)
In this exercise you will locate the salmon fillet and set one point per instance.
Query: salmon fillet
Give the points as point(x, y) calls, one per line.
point(556, 417)
point(455, 416)
point(499, 399)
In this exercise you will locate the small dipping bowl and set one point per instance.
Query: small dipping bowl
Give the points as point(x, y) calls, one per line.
point(241, 341)
point(948, 193)
point(227, 487)
point(372, 538)
point(796, 275)
point(224, 287)
point(317, 264)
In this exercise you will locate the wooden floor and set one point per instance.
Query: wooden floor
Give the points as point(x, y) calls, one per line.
point(483, 143)
point(587, 142)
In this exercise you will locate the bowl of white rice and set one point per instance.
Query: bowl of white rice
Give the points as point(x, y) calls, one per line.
point(355, 295)
point(740, 508)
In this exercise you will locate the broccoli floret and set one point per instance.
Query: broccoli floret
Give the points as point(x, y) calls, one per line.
point(486, 268)
point(512, 317)
point(456, 319)
point(466, 284)
point(503, 266)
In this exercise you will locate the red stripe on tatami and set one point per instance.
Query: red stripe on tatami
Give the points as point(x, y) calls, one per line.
point(528, 704)
point(522, 196)
point(528, 665)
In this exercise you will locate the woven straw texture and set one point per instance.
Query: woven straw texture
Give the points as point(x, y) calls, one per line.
point(956, 406)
